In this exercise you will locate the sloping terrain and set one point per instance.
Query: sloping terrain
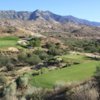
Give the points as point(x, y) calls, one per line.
point(34, 48)
point(46, 22)
point(46, 15)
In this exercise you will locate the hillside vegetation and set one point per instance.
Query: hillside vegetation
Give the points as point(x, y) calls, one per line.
point(44, 56)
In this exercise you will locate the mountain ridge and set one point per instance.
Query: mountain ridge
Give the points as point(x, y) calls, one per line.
point(45, 15)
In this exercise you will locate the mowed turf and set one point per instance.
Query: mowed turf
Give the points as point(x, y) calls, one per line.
point(8, 41)
point(74, 73)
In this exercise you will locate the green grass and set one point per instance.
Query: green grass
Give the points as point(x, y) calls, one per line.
point(80, 72)
point(8, 41)
point(75, 57)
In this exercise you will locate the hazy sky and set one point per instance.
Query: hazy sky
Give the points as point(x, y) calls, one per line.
point(86, 9)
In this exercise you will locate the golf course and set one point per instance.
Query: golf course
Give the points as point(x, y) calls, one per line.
point(8, 41)
point(75, 73)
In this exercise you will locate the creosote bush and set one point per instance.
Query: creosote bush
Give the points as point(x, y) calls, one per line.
point(35, 42)
point(3, 80)
point(22, 82)
point(42, 54)
point(31, 59)
point(4, 60)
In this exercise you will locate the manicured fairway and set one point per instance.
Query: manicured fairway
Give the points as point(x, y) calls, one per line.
point(79, 72)
point(8, 41)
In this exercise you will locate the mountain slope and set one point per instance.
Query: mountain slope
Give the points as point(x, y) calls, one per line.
point(44, 15)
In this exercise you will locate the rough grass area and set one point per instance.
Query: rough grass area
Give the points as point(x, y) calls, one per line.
point(73, 73)
point(8, 41)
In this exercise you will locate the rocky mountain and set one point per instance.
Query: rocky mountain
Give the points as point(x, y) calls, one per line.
point(44, 15)
point(46, 23)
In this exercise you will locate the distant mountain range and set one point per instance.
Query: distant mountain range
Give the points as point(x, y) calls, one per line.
point(44, 15)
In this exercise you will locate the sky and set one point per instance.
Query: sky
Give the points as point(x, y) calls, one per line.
point(85, 9)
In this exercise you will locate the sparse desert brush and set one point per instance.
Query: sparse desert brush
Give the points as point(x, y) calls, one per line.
point(66, 84)
point(10, 92)
point(38, 94)
point(10, 89)
point(85, 92)
point(60, 85)
point(3, 80)
point(22, 82)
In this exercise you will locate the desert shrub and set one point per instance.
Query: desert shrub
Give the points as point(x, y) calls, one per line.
point(8, 62)
point(65, 51)
point(42, 54)
point(33, 60)
point(22, 56)
point(4, 60)
point(86, 45)
point(35, 42)
point(3, 80)
point(97, 78)
point(22, 82)
point(90, 48)
point(10, 92)
point(10, 66)
point(54, 51)
point(60, 85)
point(57, 45)
point(84, 94)
point(10, 29)
point(29, 58)
point(49, 45)
point(52, 61)
point(39, 94)
point(97, 73)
